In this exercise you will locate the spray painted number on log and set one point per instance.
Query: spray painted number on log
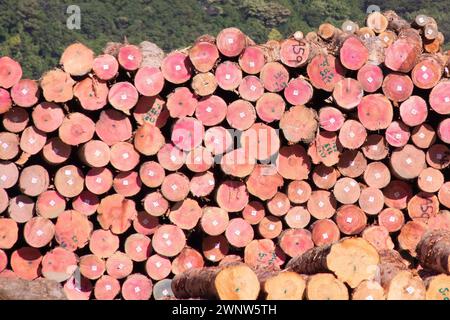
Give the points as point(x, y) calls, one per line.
point(152, 115)
point(299, 51)
point(280, 81)
point(444, 292)
point(272, 259)
point(426, 207)
point(327, 149)
point(326, 74)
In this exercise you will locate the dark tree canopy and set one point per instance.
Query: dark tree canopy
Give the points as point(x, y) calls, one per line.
point(35, 31)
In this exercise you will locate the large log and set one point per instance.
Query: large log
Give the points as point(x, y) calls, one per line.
point(229, 282)
point(39, 289)
point(343, 258)
point(433, 251)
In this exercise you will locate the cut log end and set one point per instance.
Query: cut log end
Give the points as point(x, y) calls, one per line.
point(285, 286)
point(344, 254)
point(323, 286)
point(237, 283)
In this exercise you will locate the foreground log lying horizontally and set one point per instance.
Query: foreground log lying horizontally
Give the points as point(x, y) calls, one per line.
point(39, 289)
point(433, 251)
point(227, 283)
point(351, 260)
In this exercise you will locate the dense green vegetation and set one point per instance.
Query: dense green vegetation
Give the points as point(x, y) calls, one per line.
point(35, 31)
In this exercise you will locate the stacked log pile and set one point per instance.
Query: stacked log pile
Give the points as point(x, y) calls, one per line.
point(314, 167)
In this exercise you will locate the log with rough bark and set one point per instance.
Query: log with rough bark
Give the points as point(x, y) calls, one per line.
point(39, 289)
point(229, 282)
point(399, 282)
point(341, 259)
point(433, 251)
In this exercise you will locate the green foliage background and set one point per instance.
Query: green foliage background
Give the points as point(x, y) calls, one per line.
point(35, 32)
